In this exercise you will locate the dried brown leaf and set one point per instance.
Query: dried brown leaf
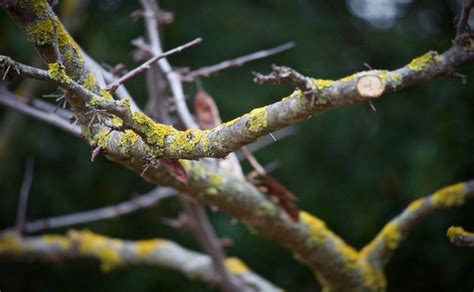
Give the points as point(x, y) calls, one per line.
point(206, 110)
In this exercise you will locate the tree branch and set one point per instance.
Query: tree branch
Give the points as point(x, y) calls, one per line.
point(145, 66)
point(237, 62)
point(113, 253)
point(382, 247)
point(460, 237)
point(141, 202)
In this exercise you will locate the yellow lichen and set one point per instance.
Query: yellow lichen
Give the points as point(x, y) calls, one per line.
point(94, 101)
point(349, 78)
point(127, 140)
point(215, 179)
point(394, 79)
point(90, 82)
point(236, 266)
point(186, 141)
point(154, 133)
point(231, 122)
point(373, 278)
point(101, 139)
point(348, 253)
point(416, 204)
point(105, 94)
point(427, 60)
point(266, 209)
point(391, 235)
point(257, 120)
point(107, 250)
point(450, 196)
point(145, 247)
point(58, 240)
point(455, 232)
point(322, 83)
point(41, 31)
point(10, 241)
point(317, 227)
point(57, 72)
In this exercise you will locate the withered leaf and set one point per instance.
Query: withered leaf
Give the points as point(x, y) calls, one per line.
point(175, 168)
point(286, 200)
point(206, 110)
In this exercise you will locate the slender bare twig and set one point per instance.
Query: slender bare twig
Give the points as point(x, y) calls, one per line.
point(268, 140)
point(212, 69)
point(150, 7)
point(35, 108)
point(203, 229)
point(463, 25)
point(210, 243)
point(24, 193)
point(148, 200)
point(253, 161)
point(145, 66)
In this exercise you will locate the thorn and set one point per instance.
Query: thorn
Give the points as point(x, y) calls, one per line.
point(368, 66)
point(273, 137)
point(372, 106)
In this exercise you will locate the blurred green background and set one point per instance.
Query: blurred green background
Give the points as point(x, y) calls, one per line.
point(353, 167)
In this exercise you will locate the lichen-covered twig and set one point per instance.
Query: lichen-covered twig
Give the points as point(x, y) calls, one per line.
point(338, 265)
point(381, 249)
point(213, 69)
point(115, 253)
point(146, 65)
point(460, 237)
point(137, 203)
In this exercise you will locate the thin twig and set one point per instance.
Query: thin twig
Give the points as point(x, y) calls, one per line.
point(145, 66)
point(39, 110)
point(25, 191)
point(463, 25)
point(212, 69)
point(148, 200)
point(209, 241)
point(253, 161)
point(150, 7)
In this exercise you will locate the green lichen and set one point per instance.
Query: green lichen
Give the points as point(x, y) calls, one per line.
point(94, 101)
point(423, 62)
point(258, 119)
point(57, 72)
point(450, 196)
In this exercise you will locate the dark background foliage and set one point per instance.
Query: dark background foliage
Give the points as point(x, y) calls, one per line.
point(353, 167)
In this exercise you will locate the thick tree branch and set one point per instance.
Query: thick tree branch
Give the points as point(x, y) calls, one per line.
point(218, 142)
point(382, 247)
point(113, 253)
point(338, 265)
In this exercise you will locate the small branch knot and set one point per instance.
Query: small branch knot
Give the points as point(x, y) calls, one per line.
point(283, 74)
